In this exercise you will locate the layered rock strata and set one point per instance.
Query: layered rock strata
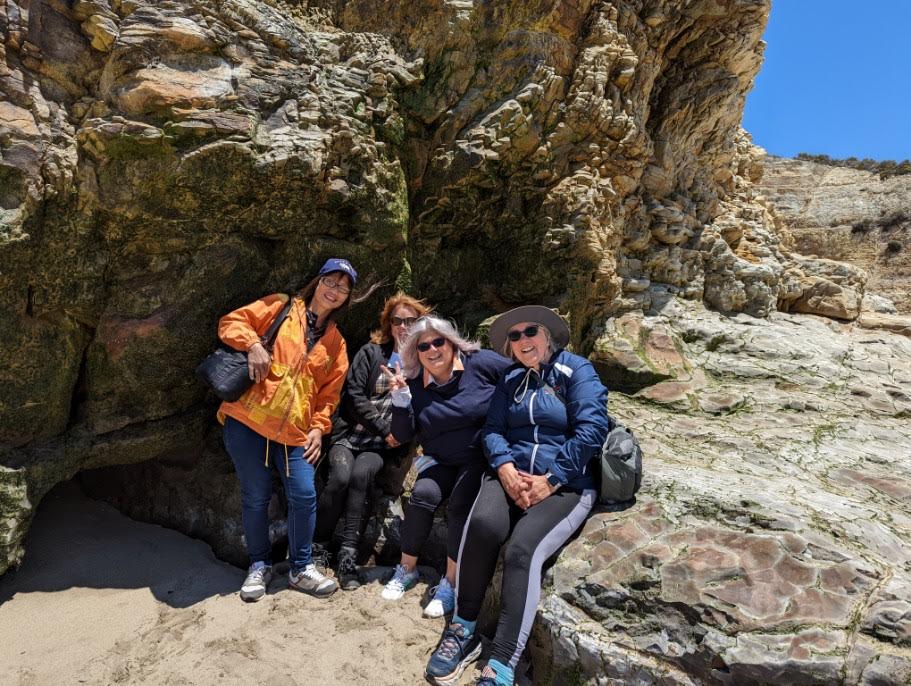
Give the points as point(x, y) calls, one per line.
point(164, 162)
point(847, 215)
point(772, 539)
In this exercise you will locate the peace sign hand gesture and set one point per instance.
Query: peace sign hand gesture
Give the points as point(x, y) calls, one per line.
point(395, 378)
point(398, 387)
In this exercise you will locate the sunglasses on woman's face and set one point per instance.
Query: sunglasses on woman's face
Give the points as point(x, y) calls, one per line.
point(435, 343)
point(403, 321)
point(528, 332)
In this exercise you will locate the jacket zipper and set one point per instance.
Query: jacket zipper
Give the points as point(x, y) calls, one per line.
point(531, 418)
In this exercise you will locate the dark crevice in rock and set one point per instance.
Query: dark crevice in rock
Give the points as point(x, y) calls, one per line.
point(80, 390)
point(30, 303)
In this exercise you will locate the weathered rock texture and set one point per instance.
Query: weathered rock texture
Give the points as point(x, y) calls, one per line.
point(772, 540)
point(164, 162)
point(847, 215)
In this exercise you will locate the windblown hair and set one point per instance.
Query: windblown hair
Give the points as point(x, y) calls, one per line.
point(507, 346)
point(441, 327)
point(355, 296)
point(384, 333)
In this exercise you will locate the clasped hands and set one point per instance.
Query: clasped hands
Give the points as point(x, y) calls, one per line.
point(524, 489)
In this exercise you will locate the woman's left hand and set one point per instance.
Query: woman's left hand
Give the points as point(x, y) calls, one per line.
point(314, 445)
point(537, 488)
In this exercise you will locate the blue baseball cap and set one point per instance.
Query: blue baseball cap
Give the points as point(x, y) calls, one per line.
point(335, 264)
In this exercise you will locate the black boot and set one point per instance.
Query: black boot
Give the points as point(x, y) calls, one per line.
point(347, 569)
point(321, 556)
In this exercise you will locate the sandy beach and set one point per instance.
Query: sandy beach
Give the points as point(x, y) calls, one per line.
point(102, 599)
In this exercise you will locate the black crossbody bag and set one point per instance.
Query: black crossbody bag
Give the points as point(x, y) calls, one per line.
point(226, 372)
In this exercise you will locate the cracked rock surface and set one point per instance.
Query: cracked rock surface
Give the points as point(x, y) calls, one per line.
point(770, 542)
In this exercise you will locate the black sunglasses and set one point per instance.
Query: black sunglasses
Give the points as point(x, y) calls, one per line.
point(399, 321)
point(528, 332)
point(436, 343)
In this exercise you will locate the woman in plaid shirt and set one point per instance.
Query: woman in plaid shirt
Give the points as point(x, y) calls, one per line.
point(361, 440)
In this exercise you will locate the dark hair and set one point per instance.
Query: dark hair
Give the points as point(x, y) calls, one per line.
point(355, 296)
point(384, 333)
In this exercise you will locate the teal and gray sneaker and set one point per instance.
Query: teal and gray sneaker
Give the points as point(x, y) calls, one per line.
point(400, 582)
point(456, 650)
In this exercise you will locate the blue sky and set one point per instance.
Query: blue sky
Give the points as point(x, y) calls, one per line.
point(836, 80)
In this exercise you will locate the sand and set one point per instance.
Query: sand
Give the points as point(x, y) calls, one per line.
point(102, 599)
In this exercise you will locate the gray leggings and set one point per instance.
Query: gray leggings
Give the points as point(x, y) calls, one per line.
point(530, 536)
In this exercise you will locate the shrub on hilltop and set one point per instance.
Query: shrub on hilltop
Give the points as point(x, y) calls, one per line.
point(885, 168)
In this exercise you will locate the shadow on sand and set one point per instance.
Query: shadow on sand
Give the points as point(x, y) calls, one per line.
point(77, 542)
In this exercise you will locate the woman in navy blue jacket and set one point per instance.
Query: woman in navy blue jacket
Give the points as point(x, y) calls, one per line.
point(441, 399)
point(547, 421)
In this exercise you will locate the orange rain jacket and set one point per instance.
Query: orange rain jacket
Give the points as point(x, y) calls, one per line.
point(301, 391)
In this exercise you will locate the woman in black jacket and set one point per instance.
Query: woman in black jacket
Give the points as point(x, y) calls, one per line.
point(361, 441)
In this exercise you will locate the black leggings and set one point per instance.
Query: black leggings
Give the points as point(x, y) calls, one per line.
point(433, 485)
point(351, 475)
point(537, 533)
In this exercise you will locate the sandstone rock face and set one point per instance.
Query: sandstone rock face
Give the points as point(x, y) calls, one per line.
point(847, 215)
point(164, 162)
point(772, 539)
point(161, 163)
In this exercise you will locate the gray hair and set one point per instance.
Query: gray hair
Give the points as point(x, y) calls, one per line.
point(443, 327)
point(507, 345)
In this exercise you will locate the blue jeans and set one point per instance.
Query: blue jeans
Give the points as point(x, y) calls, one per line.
point(248, 452)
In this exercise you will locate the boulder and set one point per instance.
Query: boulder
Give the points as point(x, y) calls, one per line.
point(769, 545)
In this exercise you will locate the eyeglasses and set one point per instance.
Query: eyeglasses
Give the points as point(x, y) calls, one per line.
point(436, 343)
point(335, 285)
point(403, 321)
point(528, 332)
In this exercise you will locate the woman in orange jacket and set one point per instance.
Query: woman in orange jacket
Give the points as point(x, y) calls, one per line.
point(281, 420)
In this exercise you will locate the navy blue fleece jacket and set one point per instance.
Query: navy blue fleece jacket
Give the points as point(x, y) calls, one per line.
point(448, 419)
point(541, 433)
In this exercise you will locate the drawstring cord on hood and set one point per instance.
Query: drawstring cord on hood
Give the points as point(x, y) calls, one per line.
point(267, 451)
point(526, 381)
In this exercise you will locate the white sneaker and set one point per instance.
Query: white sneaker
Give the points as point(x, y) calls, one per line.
point(258, 577)
point(311, 581)
point(443, 602)
point(400, 582)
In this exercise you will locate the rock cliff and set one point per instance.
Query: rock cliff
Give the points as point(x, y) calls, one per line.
point(164, 162)
point(770, 544)
point(847, 215)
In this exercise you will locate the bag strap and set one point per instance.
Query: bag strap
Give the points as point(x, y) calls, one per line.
point(268, 340)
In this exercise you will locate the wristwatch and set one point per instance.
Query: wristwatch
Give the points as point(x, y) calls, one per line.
point(553, 480)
